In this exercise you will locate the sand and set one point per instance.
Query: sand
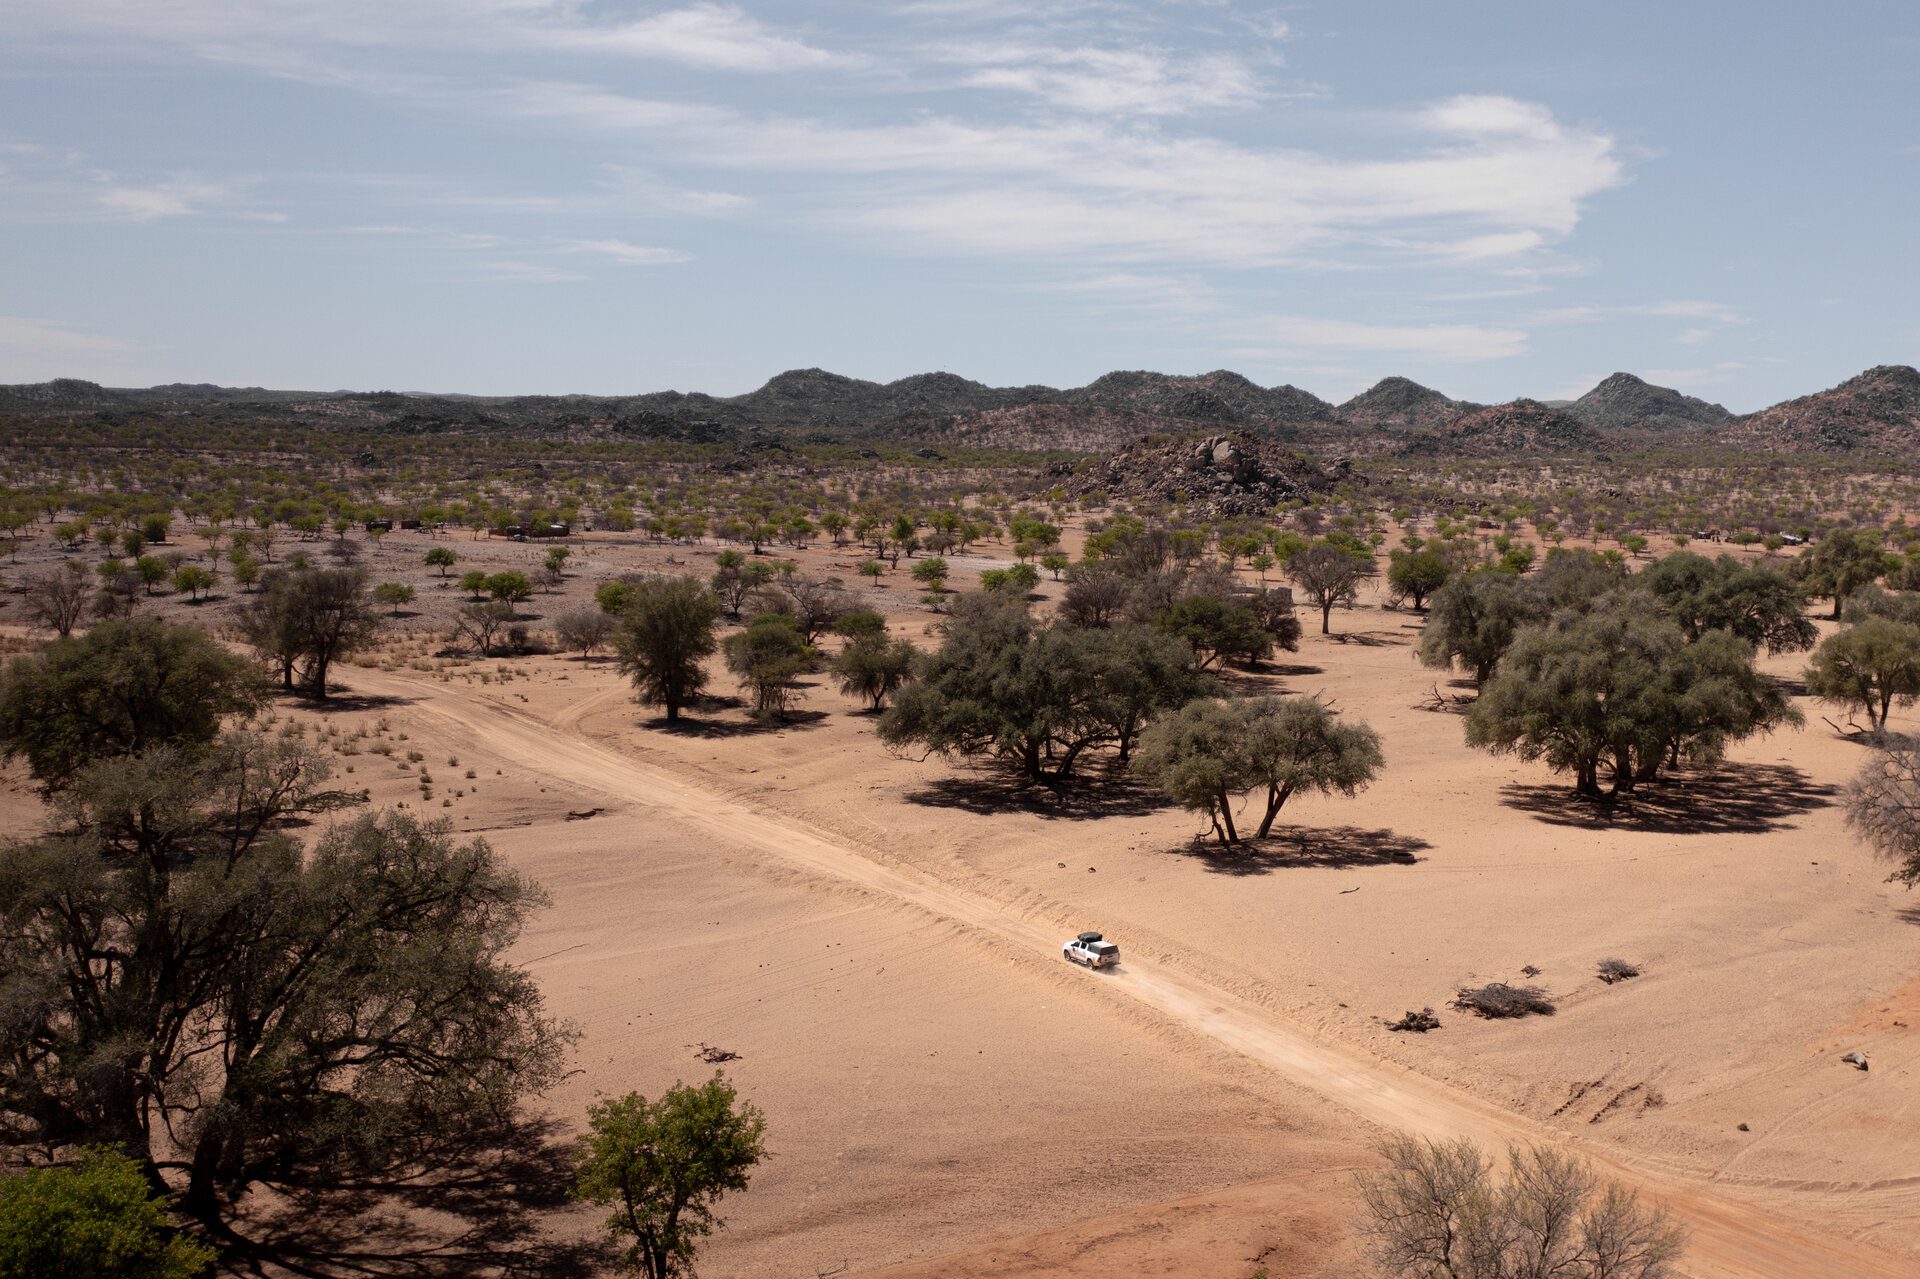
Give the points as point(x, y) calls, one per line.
point(878, 939)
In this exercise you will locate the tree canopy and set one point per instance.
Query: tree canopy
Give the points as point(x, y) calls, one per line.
point(187, 982)
point(665, 635)
point(1475, 618)
point(1209, 751)
point(123, 687)
point(1621, 687)
point(1038, 696)
point(95, 1218)
point(664, 1165)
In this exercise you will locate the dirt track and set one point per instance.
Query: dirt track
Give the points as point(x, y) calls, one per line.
point(1729, 1238)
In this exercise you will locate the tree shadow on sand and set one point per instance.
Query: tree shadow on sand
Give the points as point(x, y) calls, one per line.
point(1303, 846)
point(1747, 799)
point(1114, 794)
point(476, 1217)
point(1369, 639)
point(751, 726)
point(341, 701)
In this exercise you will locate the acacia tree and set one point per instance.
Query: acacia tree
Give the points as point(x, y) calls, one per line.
point(1217, 630)
point(767, 657)
point(583, 629)
point(484, 625)
point(1754, 602)
point(1474, 619)
point(57, 598)
point(1037, 696)
point(190, 985)
point(1842, 562)
point(1437, 1209)
point(310, 618)
point(1620, 687)
point(1330, 572)
point(663, 1165)
point(123, 687)
point(95, 1216)
point(1870, 667)
point(1208, 751)
point(872, 665)
point(1415, 575)
point(1883, 806)
point(664, 638)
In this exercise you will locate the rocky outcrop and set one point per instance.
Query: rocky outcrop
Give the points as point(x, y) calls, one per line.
point(1876, 412)
point(1214, 476)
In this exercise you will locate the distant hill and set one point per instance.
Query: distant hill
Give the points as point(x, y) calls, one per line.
point(1401, 404)
point(1520, 426)
point(1876, 412)
point(1219, 397)
point(1625, 402)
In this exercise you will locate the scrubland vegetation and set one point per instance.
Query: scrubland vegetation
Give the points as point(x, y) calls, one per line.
point(213, 995)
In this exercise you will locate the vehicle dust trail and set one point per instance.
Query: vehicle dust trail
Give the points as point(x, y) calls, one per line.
point(1728, 1239)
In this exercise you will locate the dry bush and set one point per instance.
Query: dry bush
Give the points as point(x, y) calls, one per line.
point(1438, 1209)
point(1418, 1022)
point(1616, 970)
point(1498, 999)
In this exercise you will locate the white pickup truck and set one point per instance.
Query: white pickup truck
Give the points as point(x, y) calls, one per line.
point(1092, 950)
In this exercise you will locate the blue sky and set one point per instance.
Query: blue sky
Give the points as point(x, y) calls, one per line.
point(1496, 197)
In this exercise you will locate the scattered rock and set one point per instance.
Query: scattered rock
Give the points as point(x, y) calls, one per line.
point(1214, 476)
point(581, 815)
point(1744, 1128)
point(1857, 1060)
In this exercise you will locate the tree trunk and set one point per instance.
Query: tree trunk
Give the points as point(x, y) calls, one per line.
point(1623, 773)
point(1276, 800)
point(1326, 617)
point(1226, 815)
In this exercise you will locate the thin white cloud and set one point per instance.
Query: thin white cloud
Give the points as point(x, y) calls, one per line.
point(1295, 336)
point(706, 35)
point(514, 271)
point(1693, 337)
point(1138, 291)
point(1712, 375)
point(1110, 81)
point(1681, 309)
point(25, 335)
point(1091, 187)
point(630, 254)
point(721, 37)
point(144, 204)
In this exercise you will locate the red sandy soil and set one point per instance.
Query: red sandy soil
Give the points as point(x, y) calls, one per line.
point(878, 939)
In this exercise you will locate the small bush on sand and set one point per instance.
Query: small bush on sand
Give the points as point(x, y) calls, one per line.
point(1497, 999)
point(1616, 970)
point(1418, 1022)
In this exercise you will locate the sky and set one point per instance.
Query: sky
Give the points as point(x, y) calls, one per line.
point(1494, 197)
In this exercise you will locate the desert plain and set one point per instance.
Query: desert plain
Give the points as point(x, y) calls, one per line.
point(870, 942)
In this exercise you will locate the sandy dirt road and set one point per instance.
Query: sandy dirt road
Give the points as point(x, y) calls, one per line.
point(1729, 1238)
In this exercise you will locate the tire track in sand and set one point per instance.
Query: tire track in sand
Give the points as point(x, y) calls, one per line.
point(1728, 1239)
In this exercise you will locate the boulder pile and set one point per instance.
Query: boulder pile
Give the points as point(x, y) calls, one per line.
point(1215, 476)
